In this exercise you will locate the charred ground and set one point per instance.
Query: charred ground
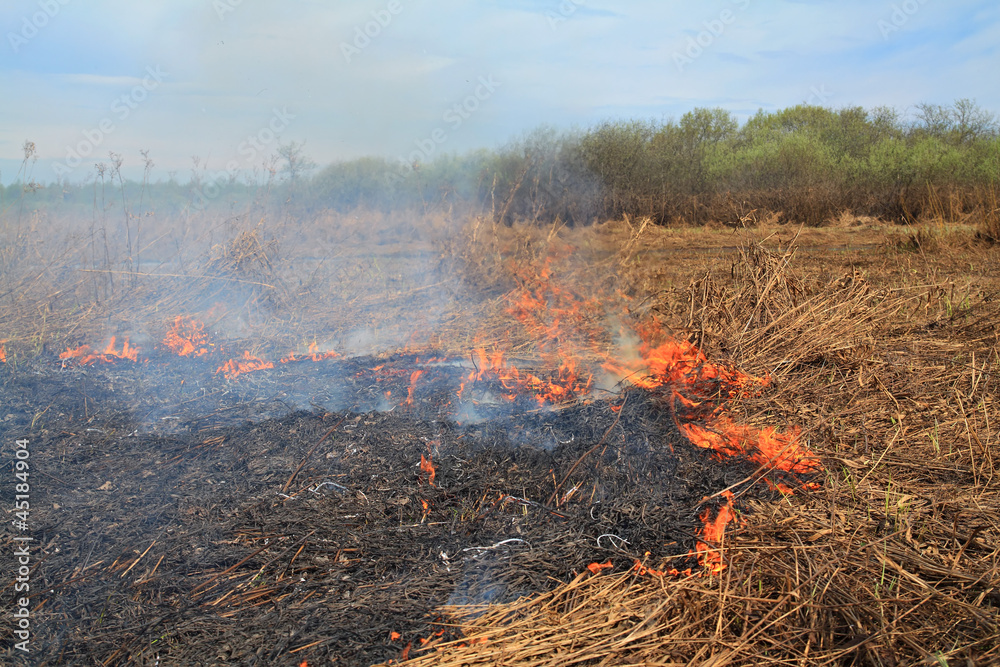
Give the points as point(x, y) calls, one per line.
point(181, 538)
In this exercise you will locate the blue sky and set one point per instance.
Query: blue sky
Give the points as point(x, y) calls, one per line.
point(229, 80)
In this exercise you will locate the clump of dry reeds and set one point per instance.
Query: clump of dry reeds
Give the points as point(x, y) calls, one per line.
point(769, 319)
point(245, 264)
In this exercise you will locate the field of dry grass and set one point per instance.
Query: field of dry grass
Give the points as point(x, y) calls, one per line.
point(881, 343)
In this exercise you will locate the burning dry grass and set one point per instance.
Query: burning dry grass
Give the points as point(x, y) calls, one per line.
point(886, 360)
point(895, 560)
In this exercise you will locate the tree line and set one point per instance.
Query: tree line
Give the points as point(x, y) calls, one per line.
point(805, 163)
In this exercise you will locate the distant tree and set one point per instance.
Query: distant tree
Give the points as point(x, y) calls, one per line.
point(296, 164)
point(972, 122)
point(365, 182)
point(961, 123)
point(708, 126)
point(933, 119)
point(885, 122)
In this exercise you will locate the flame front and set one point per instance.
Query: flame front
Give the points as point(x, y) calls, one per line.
point(696, 387)
point(313, 354)
point(249, 363)
point(414, 376)
point(570, 334)
point(565, 383)
point(187, 337)
point(596, 568)
point(84, 355)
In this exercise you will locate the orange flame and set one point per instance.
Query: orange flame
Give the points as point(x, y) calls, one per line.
point(695, 385)
point(236, 367)
point(595, 568)
point(414, 376)
point(643, 570)
point(427, 643)
point(713, 532)
point(313, 354)
point(555, 318)
point(427, 466)
point(564, 385)
point(84, 355)
point(3, 354)
point(566, 328)
point(187, 337)
point(766, 446)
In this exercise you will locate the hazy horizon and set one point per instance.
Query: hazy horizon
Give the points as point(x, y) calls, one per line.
point(228, 81)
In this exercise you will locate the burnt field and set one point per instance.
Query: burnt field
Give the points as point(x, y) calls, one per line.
point(235, 537)
point(452, 442)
